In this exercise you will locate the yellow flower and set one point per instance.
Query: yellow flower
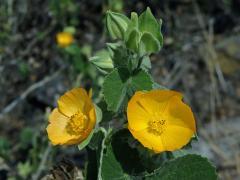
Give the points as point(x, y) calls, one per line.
point(64, 39)
point(159, 120)
point(73, 120)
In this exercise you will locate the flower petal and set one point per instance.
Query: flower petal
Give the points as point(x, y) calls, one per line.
point(180, 114)
point(73, 101)
point(137, 116)
point(156, 101)
point(56, 129)
point(148, 140)
point(163, 95)
point(92, 121)
point(64, 39)
point(151, 106)
point(175, 137)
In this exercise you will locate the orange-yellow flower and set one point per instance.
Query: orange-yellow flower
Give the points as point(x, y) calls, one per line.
point(159, 120)
point(64, 39)
point(73, 120)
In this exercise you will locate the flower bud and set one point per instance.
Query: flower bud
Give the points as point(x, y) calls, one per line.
point(64, 39)
point(116, 24)
point(102, 60)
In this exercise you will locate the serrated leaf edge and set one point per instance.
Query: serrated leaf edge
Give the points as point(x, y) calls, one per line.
point(156, 170)
point(107, 101)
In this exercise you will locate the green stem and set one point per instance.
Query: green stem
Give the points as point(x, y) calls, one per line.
point(140, 61)
point(106, 133)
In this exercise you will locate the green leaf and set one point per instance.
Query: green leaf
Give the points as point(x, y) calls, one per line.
point(181, 152)
point(149, 44)
point(189, 167)
point(70, 29)
point(91, 167)
point(148, 23)
point(73, 49)
point(24, 169)
point(141, 81)
point(86, 50)
point(133, 40)
point(148, 29)
point(96, 139)
point(25, 137)
point(121, 57)
point(123, 159)
point(106, 114)
point(146, 63)
point(102, 60)
point(119, 159)
point(158, 86)
point(119, 85)
point(83, 144)
point(95, 150)
point(111, 168)
point(103, 148)
point(115, 88)
point(132, 35)
point(98, 114)
point(95, 154)
point(113, 46)
point(5, 147)
point(116, 24)
point(133, 24)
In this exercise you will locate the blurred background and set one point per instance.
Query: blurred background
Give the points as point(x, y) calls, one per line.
point(200, 57)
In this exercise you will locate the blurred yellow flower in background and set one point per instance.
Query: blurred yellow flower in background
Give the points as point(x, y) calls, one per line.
point(64, 39)
point(159, 120)
point(73, 120)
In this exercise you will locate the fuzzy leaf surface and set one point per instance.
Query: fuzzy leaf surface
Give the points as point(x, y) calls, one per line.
point(188, 167)
point(120, 85)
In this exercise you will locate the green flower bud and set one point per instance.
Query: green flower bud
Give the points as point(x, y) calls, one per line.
point(148, 24)
point(102, 60)
point(149, 43)
point(116, 24)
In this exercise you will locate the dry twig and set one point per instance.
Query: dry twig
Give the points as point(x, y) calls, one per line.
point(29, 90)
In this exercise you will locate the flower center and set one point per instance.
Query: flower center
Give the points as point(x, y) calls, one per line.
point(156, 125)
point(77, 123)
